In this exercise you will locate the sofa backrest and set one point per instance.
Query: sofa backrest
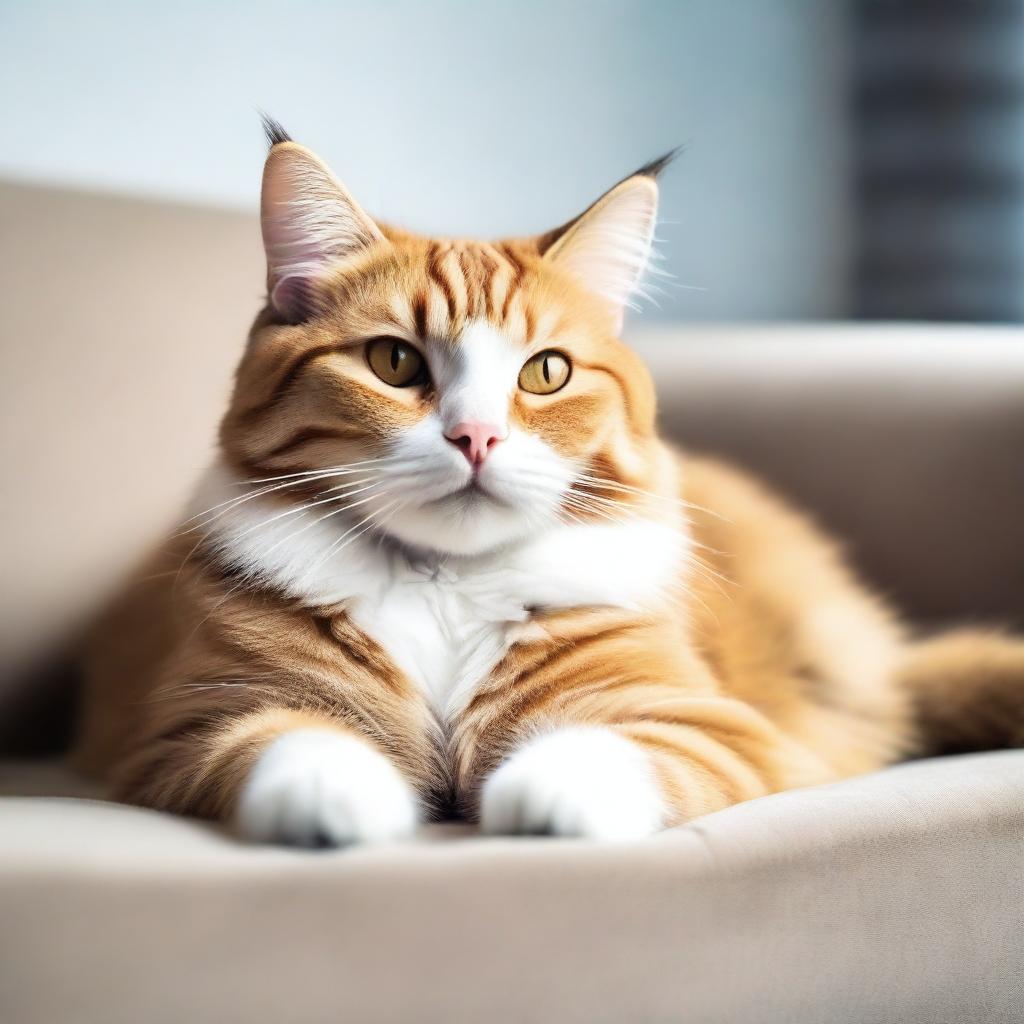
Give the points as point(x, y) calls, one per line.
point(906, 441)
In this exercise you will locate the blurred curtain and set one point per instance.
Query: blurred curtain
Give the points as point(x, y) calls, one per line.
point(939, 148)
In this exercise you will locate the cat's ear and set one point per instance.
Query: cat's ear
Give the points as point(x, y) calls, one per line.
point(608, 246)
point(310, 223)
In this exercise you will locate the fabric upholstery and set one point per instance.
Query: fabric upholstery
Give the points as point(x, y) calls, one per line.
point(892, 897)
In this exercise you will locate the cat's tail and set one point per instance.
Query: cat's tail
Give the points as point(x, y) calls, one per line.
point(966, 690)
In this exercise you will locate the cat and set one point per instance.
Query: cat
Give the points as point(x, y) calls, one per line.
point(444, 564)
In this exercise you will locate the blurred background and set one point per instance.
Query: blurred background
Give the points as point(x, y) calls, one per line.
point(843, 158)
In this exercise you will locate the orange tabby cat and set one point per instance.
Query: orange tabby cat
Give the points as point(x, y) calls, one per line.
point(444, 562)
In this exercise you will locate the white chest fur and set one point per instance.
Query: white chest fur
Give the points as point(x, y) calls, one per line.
point(438, 631)
point(444, 623)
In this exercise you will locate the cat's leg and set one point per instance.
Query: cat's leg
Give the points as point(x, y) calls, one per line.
point(277, 774)
point(582, 780)
point(639, 772)
point(319, 784)
point(288, 725)
point(587, 741)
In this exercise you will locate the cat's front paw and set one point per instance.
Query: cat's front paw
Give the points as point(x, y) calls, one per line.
point(316, 787)
point(584, 781)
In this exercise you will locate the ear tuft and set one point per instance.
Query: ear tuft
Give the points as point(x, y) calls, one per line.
point(653, 168)
point(310, 225)
point(273, 130)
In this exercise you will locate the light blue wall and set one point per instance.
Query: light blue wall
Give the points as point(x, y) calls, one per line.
point(465, 116)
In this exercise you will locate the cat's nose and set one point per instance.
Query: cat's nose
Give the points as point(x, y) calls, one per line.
point(475, 440)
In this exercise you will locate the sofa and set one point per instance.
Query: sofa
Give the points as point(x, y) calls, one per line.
point(897, 896)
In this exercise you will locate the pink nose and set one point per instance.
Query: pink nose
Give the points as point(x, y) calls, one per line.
point(475, 440)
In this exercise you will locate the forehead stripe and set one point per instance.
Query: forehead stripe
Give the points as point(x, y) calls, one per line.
point(518, 267)
point(487, 267)
point(531, 325)
point(472, 291)
point(419, 314)
point(436, 273)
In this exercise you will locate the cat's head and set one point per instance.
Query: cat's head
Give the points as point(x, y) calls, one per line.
point(454, 395)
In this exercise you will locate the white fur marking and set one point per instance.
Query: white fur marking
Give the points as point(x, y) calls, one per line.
point(315, 785)
point(476, 378)
point(445, 621)
point(588, 782)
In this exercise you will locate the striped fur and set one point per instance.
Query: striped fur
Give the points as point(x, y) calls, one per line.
point(591, 635)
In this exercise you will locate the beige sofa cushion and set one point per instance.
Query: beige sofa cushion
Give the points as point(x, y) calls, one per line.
point(893, 897)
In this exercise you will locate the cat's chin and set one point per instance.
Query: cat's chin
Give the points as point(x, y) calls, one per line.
point(461, 524)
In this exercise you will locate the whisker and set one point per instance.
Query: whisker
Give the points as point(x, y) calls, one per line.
point(587, 515)
point(314, 472)
point(334, 547)
point(347, 493)
point(600, 501)
point(589, 479)
point(320, 519)
point(249, 575)
point(628, 488)
point(243, 498)
point(708, 573)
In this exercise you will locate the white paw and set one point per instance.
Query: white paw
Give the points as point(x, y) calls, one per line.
point(315, 787)
point(584, 781)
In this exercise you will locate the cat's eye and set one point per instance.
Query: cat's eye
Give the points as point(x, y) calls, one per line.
point(396, 362)
point(545, 373)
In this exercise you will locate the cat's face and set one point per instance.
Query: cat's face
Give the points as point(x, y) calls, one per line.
point(455, 396)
